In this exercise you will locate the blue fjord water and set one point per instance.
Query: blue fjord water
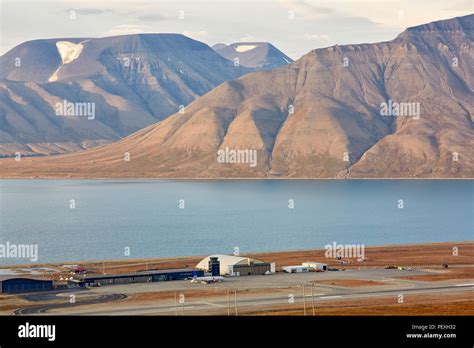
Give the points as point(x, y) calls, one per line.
point(220, 215)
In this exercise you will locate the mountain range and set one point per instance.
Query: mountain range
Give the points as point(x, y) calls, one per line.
point(132, 80)
point(397, 109)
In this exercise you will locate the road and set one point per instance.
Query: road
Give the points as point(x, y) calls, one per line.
point(205, 305)
point(41, 309)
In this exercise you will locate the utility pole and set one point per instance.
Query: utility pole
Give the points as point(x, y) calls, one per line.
point(235, 302)
point(312, 298)
point(304, 301)
point(228, 302)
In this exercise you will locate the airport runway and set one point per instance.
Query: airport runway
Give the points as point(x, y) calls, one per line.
point(203, 306)
point(44, 308)
point(256, 291)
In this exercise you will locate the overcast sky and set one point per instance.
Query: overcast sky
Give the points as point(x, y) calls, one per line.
point(294, 26)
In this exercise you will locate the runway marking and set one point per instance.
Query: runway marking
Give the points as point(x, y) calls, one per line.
point(325, 297)
point(211, 304)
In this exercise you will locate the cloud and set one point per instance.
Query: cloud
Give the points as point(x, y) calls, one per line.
point(317, 37)
point(89, 11)
point(347, 15)
point(306, 10)
point(201, 35)
point(125, 29)
point(247, 38)
point(142, 12)
point(151, 17)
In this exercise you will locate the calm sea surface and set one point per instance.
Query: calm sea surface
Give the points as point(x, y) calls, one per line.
point(218, 216)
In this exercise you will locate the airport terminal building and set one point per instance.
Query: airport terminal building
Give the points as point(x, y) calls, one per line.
point(139, 277)
point(237, 266)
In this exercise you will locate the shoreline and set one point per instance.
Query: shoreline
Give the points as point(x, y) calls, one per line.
point(167, 179)
point(279, 254)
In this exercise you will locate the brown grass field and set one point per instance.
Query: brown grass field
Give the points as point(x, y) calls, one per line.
point(432, 255)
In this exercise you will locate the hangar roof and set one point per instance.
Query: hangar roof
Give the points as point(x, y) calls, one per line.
point(19, 276)
point(226, 261)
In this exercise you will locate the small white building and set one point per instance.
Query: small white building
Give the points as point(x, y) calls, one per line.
point(316, 266)
point(295, 269)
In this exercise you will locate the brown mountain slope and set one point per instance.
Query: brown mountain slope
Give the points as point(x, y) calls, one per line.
point(320, 116)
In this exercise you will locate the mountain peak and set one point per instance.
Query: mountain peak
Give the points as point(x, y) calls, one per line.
point(465, 23)
point(261, 55)
point(441, 28)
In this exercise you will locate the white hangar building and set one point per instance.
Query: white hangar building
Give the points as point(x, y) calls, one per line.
point(237, 265)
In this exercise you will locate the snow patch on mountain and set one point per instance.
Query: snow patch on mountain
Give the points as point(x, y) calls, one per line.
point(68, 51)
point(244, 48)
